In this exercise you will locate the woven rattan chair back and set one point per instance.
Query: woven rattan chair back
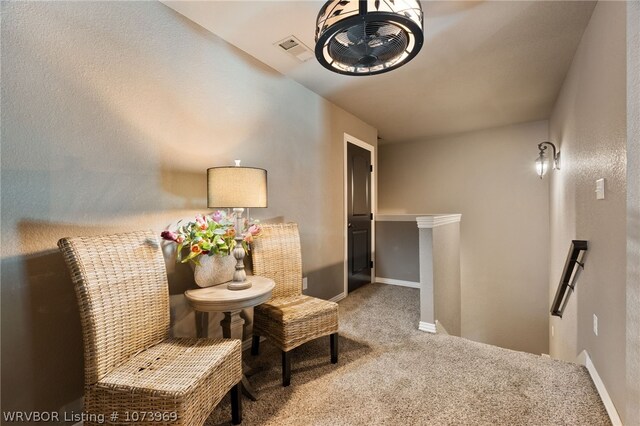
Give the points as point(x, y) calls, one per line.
point(121, 285)
point(276, 255)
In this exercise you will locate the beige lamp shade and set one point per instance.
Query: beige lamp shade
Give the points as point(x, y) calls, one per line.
point(230, 187)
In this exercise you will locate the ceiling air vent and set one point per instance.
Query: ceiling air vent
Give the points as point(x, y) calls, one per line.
point(295, 48)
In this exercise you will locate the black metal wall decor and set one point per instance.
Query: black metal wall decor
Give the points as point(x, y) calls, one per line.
point(575, 262)
point(366, 37)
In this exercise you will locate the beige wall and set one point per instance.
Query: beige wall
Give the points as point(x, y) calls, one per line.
point(111, 112)
point(589, 124)
point(633, 213)
point(489, 177)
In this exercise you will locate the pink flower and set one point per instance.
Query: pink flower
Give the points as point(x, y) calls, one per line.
point(248, 238)
point(180, 239)
point(169, 236)
point(254, 230)
point(217, 216)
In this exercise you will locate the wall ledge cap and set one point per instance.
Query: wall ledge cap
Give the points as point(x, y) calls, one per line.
point(437, 220)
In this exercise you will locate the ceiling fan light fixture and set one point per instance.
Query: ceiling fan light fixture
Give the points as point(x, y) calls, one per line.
point(366, 37)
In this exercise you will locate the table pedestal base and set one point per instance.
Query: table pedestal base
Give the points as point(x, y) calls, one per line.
point(232, 325)
point(232, 328)
point(219, 298)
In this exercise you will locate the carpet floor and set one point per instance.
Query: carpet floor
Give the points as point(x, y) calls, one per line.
point(391, 373)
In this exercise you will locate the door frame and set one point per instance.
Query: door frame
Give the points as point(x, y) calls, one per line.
point(372, 149)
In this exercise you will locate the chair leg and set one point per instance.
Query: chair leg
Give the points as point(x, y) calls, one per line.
point(236, 404)
point(286, 368)
point(255, 345)
point(333, 339)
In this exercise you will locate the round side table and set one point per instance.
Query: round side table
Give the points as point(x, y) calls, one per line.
point(231, 302)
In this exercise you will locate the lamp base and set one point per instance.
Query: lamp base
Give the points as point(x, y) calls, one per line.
point(240, 281)
point(239, 285)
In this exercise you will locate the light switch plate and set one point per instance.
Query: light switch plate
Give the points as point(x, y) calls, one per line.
point(304, 283)
point(600, 189)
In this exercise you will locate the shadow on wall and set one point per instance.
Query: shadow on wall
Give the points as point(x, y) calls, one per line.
point(54, 347)
point(51, 314)
point(319, 278)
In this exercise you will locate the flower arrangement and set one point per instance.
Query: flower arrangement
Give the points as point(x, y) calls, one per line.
point(212, 235)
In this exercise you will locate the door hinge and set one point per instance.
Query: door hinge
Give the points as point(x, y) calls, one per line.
point(371, 167)
point(371, 264)
point(371, 216)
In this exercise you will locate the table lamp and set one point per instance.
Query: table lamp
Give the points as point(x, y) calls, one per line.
point(238, 188)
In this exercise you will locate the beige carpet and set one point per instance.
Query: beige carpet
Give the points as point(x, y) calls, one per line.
point(391, 373)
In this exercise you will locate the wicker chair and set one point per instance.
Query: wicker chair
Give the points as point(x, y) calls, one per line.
point(290, 318)
point(132, 367)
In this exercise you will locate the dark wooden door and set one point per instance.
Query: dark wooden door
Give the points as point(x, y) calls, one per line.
point(358, 216)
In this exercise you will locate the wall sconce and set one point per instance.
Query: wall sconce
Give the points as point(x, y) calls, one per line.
point(542, 162)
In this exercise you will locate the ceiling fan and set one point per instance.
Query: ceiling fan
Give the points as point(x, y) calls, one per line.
point(366, 37)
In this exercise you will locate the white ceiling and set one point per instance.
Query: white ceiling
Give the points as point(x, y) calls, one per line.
point(483, 63)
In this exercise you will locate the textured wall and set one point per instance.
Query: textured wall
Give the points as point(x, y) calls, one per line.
point(633, 213)
point(111, 112)
point(589, 124)
point(489, 177)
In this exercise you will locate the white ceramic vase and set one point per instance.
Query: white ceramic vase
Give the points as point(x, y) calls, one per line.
point(214, 270)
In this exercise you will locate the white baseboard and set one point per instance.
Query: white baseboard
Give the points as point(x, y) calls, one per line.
point(585, 360)
point(427, 326)
point(402, 283)
point(338, 297)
